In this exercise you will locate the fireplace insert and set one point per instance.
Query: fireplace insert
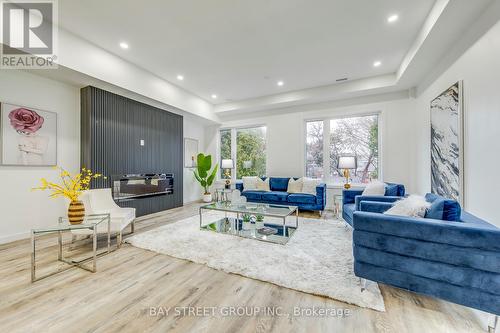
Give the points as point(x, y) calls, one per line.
point(135, 186)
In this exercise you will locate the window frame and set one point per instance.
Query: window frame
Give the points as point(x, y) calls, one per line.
point(234, 135)
point(327, 178)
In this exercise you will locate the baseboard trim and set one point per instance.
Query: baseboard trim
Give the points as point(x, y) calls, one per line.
point(14, 237)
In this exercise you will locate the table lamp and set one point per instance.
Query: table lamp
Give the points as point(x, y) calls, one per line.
point(227, 165)
point(347, 163)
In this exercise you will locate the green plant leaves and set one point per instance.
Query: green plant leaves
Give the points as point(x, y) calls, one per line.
point(203, 168)
point(211, 178)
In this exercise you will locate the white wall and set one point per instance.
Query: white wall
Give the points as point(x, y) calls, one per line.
point(479, 68)
point(85, 57)
point(21, 208)
point(193, 129)
point(286, 137)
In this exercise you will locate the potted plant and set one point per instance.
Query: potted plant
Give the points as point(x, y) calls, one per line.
point(71, 187)
point(259, 222)
point(246, 221)
point(203, 174)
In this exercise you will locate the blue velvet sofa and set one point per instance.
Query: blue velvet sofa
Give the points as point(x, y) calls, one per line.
point(279, 195)
point(450, 254)
point(352, 198)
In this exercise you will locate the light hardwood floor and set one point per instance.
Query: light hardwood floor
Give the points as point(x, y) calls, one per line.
point(130, 281)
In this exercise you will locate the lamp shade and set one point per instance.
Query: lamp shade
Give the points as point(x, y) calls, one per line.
point(347, 162)
point(227, 164)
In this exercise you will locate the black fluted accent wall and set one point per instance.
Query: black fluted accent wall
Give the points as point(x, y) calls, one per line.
point(111, 129)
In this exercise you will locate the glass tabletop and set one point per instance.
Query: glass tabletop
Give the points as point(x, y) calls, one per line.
point(252, 208)
point(267, 232)
point(89, 222)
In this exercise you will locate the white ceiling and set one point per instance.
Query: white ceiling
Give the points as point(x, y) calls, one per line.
point(240, 49)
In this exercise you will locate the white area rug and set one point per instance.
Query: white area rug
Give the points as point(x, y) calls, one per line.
point(317, 259)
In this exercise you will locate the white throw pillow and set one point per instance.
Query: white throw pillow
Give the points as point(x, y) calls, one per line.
point(375, 187)
point(414, 206)
point(249, 183)
point(263, 185)
point(309, 185)
point(295, 186)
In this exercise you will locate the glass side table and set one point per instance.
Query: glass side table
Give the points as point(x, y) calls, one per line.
point(337, 205)
point(90, 223)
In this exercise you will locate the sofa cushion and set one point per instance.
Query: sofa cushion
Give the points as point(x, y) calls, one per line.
point(302, 198)
point(294, 186)
point(253, 195)
point(275, 196)
point(349, 209)
point(278, 184)
point(442, 208)
point(263, 185)
point(391, 190)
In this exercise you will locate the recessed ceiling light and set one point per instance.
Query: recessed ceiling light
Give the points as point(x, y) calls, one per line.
point(124, 45)
point(377, 64)
point(180, 77)
point(392, 18)
point(280, 83)
point(214, 96)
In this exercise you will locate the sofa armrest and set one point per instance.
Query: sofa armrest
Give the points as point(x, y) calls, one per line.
point(461, 234)
point(375, 206)
point(239, 185)
point(379, 198)
point(348, 196)
point(321, 195)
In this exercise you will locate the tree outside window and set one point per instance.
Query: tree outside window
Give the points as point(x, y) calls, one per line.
point(356, 136)
point(225, 147)
point(250, 150)
point(314, 149)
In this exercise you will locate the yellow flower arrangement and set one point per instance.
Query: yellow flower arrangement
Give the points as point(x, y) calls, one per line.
point(72, 186)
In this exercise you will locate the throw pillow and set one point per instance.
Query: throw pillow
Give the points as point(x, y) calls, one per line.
point(309, 185)
point(249, 183)
point(376, 187)
point(442, 208)
point(295, 186)
point(263, 185)
point(414, 206)
point(391, 190)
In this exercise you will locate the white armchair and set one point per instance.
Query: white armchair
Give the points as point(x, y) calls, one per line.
point(100, 201)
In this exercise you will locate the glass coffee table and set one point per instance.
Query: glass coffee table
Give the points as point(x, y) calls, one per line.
point(272, 228)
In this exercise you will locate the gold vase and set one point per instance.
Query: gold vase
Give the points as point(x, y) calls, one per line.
point(76, 212)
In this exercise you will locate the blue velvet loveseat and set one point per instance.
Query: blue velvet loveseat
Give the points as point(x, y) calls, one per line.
point(450, 254)
point(352, 198)
point(279, 195)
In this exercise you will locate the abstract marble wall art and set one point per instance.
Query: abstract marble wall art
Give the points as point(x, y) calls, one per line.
point(447, 143)
point(28, 136)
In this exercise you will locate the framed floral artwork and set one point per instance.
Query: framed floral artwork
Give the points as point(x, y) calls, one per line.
point(28, 136)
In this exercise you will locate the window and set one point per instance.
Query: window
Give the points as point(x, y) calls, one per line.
point(314, 149)
point(249, 151)
point(225, 147)
point(356, 136)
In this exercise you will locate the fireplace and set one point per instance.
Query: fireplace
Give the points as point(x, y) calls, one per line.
point(136, 186)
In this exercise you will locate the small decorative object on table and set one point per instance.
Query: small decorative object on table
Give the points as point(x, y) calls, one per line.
point(347, 162)
point(267, 231)
point(203, 174)
point(259, 221)
point(247, 221)
point(227, 165)
point(72, 187)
